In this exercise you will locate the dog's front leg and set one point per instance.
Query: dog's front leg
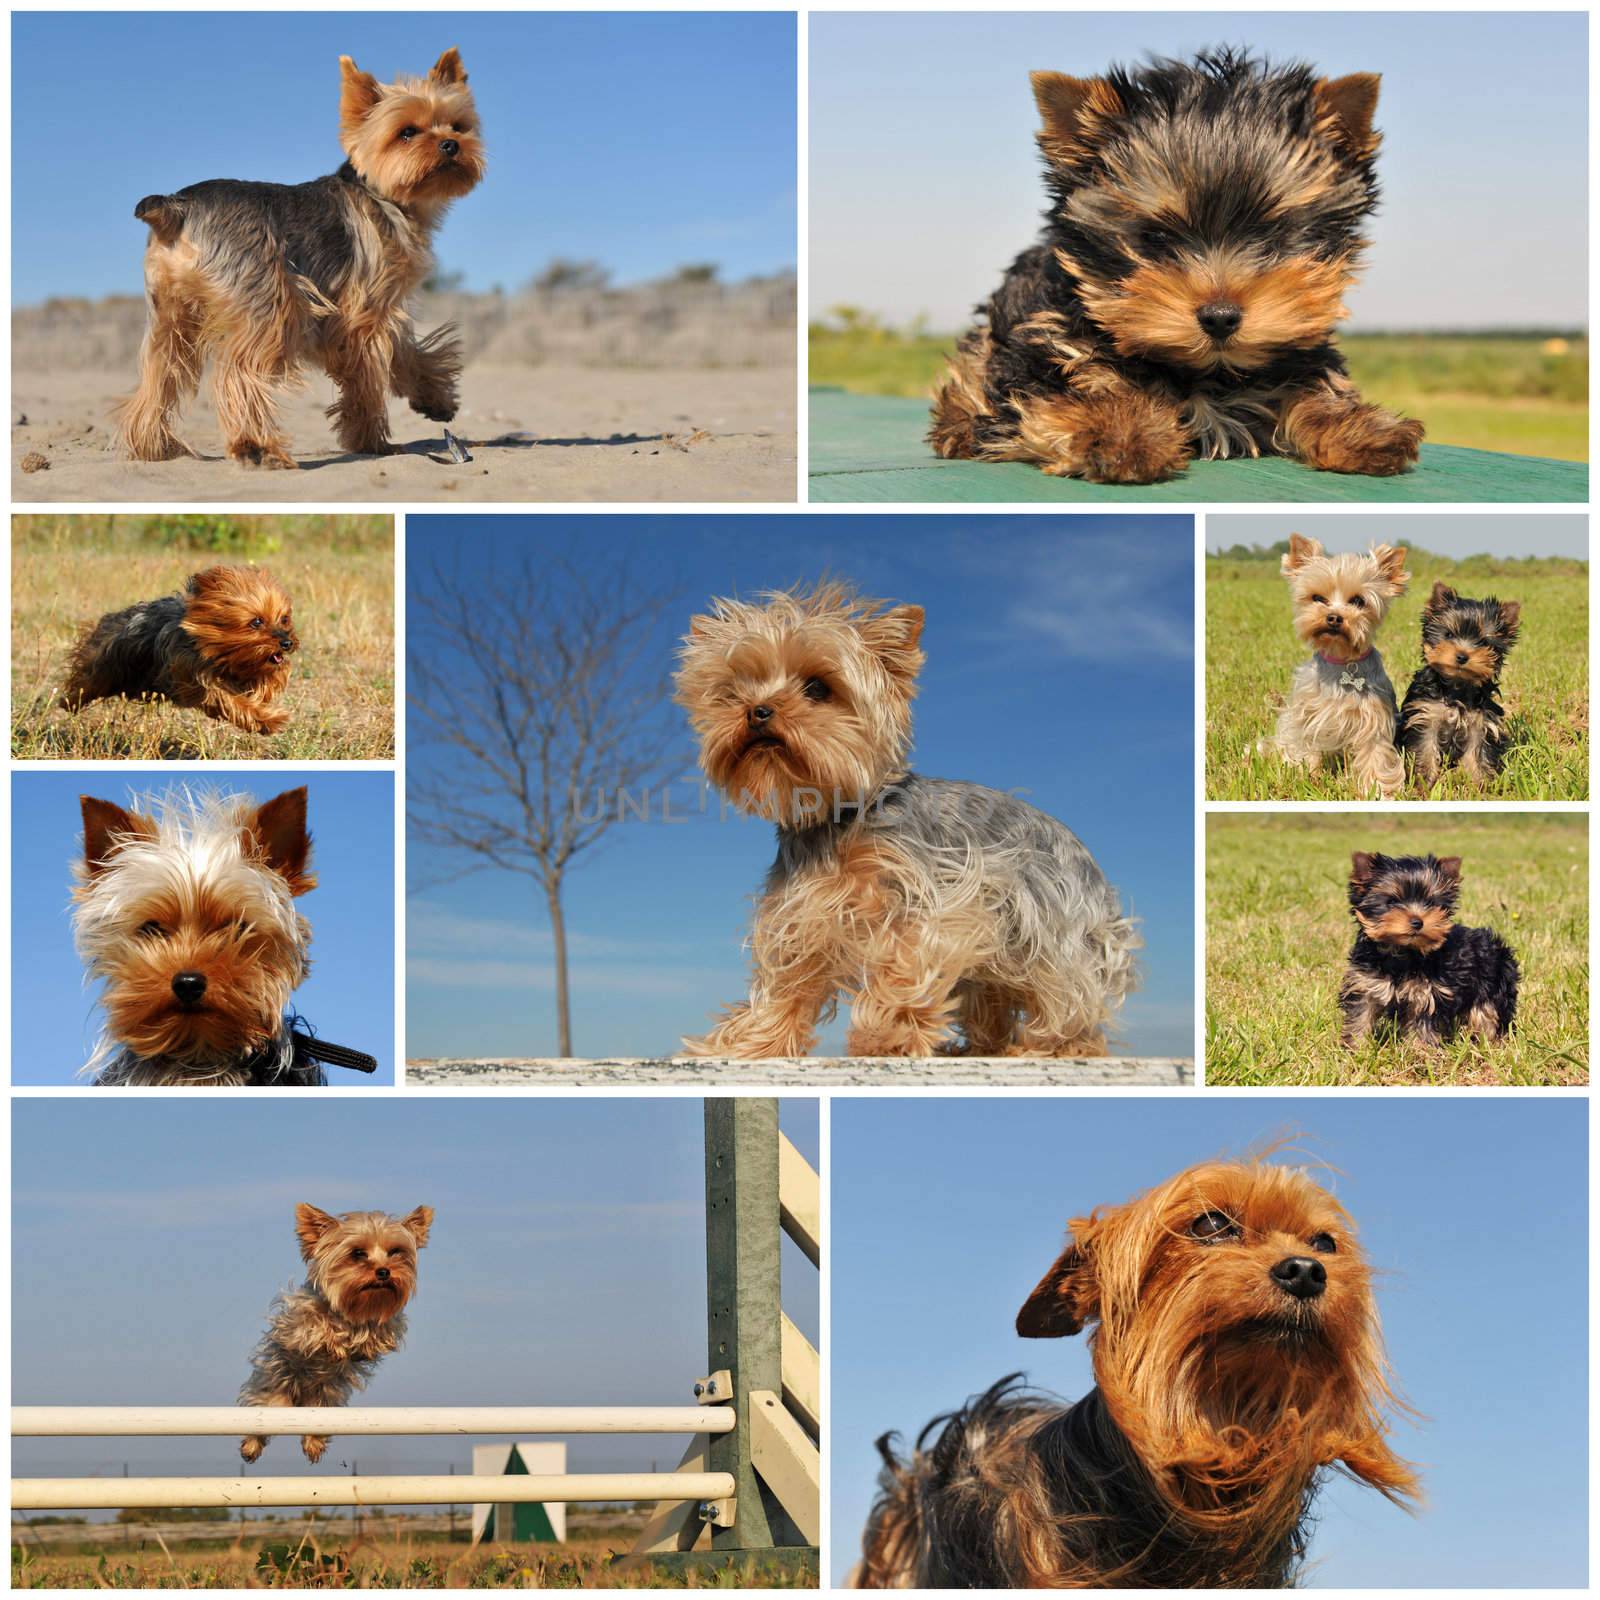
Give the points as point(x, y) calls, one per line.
point(425, 372)
point(1106, 433)
point(1333, 429)
point(359, 361)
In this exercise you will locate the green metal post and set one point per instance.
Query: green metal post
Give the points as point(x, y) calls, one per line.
point(744, 1301)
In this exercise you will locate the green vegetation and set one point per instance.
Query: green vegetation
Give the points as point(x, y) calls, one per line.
point(1251, 653)
point(1526, 394)
point(1278, 930)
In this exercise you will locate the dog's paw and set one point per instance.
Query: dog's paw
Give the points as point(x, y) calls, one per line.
point(436, 410)
point(272, 457)
point(314, 1445)
point(1370, 443)
point(1129, 439)
point(250, 1448)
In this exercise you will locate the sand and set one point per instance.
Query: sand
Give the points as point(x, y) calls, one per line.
point(535, 433)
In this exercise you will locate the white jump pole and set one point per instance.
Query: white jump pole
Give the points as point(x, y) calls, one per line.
point(95, 1494)
point(82, 1422)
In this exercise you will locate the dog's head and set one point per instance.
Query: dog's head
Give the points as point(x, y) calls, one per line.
point(1340, 600)
point(364, 1264)
point(1468, 640)
point(1210, 212)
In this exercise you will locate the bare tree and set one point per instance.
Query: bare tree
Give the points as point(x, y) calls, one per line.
point(540, 689)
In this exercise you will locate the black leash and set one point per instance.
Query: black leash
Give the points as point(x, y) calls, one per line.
point(309, 1048)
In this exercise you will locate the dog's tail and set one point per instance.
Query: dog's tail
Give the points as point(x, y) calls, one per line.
point(164, 213)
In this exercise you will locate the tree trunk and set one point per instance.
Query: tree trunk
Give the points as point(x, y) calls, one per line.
point(558, 936)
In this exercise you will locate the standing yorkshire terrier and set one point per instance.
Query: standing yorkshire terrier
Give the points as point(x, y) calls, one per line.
point(1204, 222)
point(325, 1338)
point(1451, 715)
point(189, 917)
point(265, 277)
point(1237, 1359)
point(934, 905)
point(1341, 701)
point(220, 644)
point(1413, 968)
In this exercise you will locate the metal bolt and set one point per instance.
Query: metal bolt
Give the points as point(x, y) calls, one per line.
point(708, 1511)
point(711, 1388)
point(699, 1389)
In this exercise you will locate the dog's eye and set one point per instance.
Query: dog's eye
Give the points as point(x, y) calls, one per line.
point(1359, 602)
point(1319, 600)
point(816, 689)
point(255, 622)
point(408, 134)
point(1323, 1242)
point(1210, 1225)
point(152, 930)
point(1156, 239)
point(358, 1255)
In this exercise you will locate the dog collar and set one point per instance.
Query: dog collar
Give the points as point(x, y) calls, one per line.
point(1350, 663)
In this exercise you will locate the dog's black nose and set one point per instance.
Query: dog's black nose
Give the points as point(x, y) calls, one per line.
point(449, 147)
point(382, 1274)
point(1220, 319)
point(759, 714)
point(1461, 658)
point(1300, 1276)
point(1416, 924)
point(188, 986)
point(1335, 620)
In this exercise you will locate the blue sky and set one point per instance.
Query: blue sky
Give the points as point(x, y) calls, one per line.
point(566, 1264)
point(947, 1212)
point(925, 181)
point(1455, 535)
point(642, 141)
point(1060, 662)
point(349, 997)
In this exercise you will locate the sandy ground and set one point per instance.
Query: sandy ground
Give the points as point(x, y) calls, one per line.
point(536, 433)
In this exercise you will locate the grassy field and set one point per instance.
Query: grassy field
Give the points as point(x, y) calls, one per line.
point(1251, 654)
point(1278, 929)
point(342, 1562)
point(1522, 395)
point(67, 571)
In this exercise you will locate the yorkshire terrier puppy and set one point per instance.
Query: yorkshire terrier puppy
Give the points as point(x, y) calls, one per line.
point(221, 645)
point(264, 278)
point(1204, 221)
point(935, 906)
point(1451, 716)
point(187, 914)
point(1237, 1361)
point(1413, 968)
point(325, 1337)
point(1341, 701)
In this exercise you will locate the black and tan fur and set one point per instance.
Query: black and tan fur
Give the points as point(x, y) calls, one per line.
point(1204, 222)
point(1413, 969)
point(262, 279)
point(1452, 714)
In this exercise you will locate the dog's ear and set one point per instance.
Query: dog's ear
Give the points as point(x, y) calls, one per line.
point(1074, 113)
point(1391, 561)
point(358, 94)
point(277, 833)
point(1064, 1299)
point(1450, 870)
point(1345, 108)
point(1510, 619)
point(1363, 868)
point(1443, 595)
point(1301, 550)
point(448, 68)
point(310, 1224)
point(418, 1223)
point(106, 828)
point(892, 637)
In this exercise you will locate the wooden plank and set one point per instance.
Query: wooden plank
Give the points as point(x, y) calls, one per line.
point(788, 1462)
point(802, 1379)
point(675, 1524)
point(871, 448)
point(799, 1201)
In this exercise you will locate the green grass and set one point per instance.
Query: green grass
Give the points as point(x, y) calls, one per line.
point(1278, 930)
point(1525, 395)
point(1251, 654)
point(68, 570)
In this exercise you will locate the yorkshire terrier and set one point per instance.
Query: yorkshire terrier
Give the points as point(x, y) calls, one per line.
point(1237, 1360)
point(935, 906)
point(188, 917)
point(1413, 968)
point(325, 1337)
point(1451, 716)
point(221, 645)
point(1341, 701)
point(1204, 221)
point(264, 278)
